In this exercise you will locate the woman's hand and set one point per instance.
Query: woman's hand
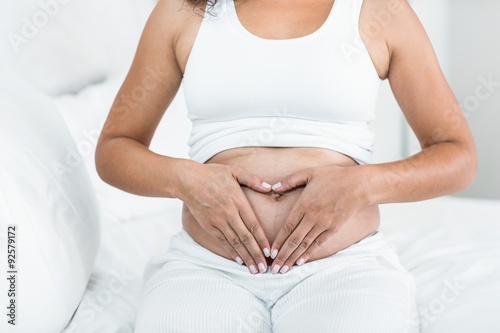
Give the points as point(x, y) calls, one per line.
point(213, 194)
point(332, 194)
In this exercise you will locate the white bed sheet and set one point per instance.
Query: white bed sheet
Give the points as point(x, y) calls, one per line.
point(115, 284)
point(452, 247)
point(450, 244)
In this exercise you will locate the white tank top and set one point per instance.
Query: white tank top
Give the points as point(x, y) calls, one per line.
point(318, 90)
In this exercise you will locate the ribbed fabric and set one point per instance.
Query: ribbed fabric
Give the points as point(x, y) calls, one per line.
point(362, 289)
point(318, 90)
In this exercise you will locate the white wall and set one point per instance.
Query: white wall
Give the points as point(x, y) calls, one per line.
point(475, 49)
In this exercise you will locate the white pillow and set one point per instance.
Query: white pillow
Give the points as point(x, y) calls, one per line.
point(62, 45)
point(85, 113)
point(48, 196)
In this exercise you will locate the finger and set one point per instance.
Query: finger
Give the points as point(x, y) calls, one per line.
point(232, 243)
point(296, 179)
point(224, 240)
point(257, 243)
point(316, 244)
point(291, 222)
point(304, 250)
point(291, 243)
point(250, 180)
point(244, 239)
point(254, 226)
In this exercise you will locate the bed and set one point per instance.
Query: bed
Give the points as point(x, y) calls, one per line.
point(450, 245)
point(86, 276)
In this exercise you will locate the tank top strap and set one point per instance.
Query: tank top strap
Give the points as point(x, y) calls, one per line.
point(356, 6)
point(346, 10)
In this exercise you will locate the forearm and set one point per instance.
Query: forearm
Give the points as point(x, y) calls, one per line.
point(130, 166)
point(437, 170)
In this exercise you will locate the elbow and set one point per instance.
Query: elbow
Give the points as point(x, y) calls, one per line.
point(101, 160)
point(472, 172)
point(468, 166)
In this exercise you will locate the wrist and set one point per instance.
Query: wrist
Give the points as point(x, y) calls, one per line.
point(181, 170)
point(365, 179)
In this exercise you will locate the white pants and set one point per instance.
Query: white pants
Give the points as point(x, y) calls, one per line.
point(362, 289)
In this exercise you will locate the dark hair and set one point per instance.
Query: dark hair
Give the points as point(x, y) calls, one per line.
point(210, 4)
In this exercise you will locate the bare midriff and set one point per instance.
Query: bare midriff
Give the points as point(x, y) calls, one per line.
point(272, 164)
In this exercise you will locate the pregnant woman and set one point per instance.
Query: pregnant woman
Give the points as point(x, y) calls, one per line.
point(280, 216)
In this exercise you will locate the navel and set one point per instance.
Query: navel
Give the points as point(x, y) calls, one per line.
point(275, 196)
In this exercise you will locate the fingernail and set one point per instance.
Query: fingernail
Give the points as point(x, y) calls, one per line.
point(300, 262)
point(284, 269)
point(277, 185)
point(262, 268)
point(276, 268)
point(274, 254)
point(266, 252)
point(266, 185)
point(239, 261)
point(253, 270)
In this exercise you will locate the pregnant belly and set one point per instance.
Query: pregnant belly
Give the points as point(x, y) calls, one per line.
point(272, 165)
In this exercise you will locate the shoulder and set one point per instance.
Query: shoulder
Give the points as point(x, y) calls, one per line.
point(172, 17)
point(392, 6)
point(394, 21)
point(389, 26)
point(170, 24)
point(386, 12)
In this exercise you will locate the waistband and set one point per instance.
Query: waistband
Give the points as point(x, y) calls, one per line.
point(183, 248)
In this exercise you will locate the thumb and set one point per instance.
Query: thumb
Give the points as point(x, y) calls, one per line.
point(296, 179)
point(250, 180)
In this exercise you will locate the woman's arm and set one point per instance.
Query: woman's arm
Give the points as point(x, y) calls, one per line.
point(122, 155)
point(448, 161)
point(212, 192)
point(446, 164)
